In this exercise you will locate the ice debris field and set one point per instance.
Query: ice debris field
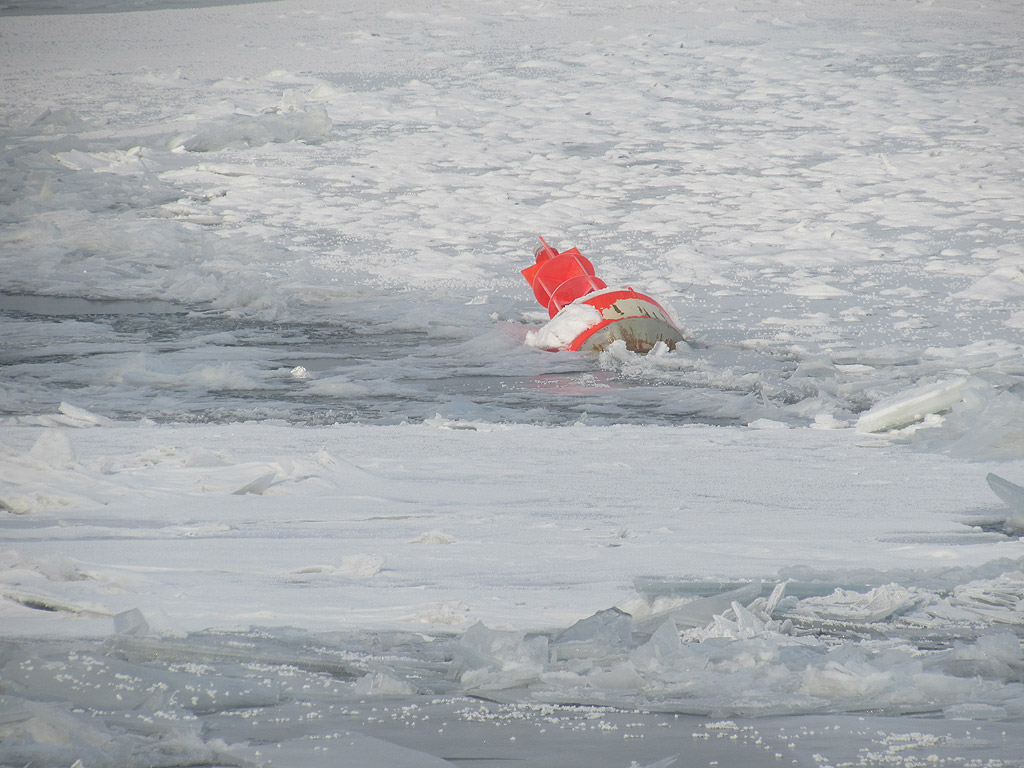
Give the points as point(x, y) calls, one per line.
point(286, 480)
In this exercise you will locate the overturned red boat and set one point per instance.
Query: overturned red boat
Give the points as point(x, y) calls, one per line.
point(588, 316)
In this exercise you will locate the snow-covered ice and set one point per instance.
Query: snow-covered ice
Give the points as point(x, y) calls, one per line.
point(288, 478)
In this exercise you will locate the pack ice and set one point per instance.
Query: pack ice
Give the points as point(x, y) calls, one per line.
point(287, 477)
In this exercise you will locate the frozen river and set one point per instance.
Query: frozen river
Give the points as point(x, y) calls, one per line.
point(282, 482)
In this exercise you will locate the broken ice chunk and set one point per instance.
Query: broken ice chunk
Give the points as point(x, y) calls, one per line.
point(257, 486)
point(657, 652)
point(912, 405)
point(309, 125)
point(878, 604)
point(154, 622)
point(382, 684)
point(131, 623)
point(622, 676)
point(481, 646)
point(996, 657)
point(1011, 493)
point(489, 659)
point(1009, 523)
point(600, 634)
point(73, 416)
point(700, 612)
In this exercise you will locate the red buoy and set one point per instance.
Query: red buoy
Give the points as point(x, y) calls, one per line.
point(585, 314)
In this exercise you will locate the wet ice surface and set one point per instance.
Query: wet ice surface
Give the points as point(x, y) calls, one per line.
point(409, 584)
point(166, 362)
point(280, 480)
point(607, 690)
point(281, 699)
point(830, 210)
point(169, 362)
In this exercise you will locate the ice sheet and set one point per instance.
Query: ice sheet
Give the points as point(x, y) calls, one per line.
point(282, 483)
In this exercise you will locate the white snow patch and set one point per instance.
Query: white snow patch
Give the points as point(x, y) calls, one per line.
point(562, 329)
